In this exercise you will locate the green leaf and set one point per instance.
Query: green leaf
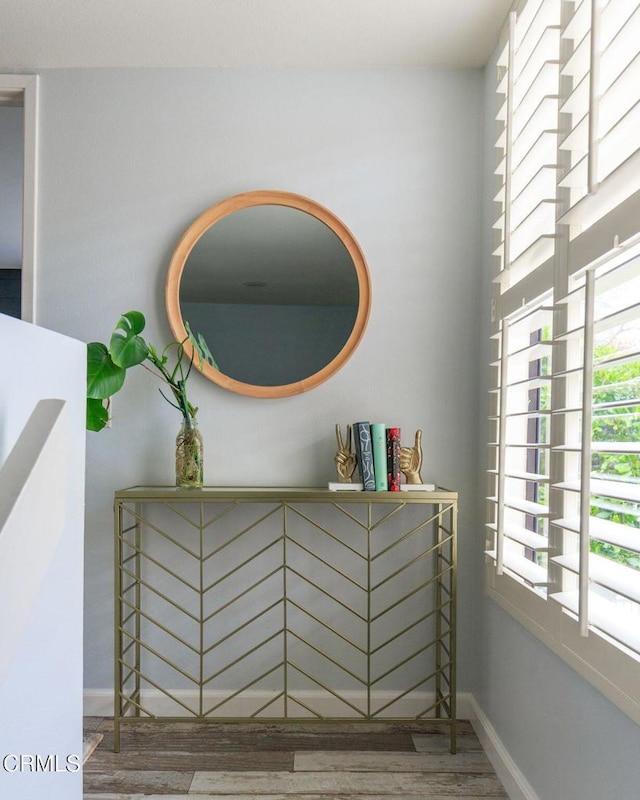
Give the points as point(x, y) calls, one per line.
point(104, 378)
point(201, 347)
point(97, 414)
point(132, 321)
point(155, 358)
point(127, 347)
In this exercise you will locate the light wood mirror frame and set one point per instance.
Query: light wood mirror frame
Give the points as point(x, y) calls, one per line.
point(270, 198)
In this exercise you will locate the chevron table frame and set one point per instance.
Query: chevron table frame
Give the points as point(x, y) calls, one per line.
point(295, 604)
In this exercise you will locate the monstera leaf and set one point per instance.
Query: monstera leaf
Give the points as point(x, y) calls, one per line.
point(127, 347)
point(97, 414)
point(104, 378)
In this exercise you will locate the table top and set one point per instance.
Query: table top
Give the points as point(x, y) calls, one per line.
point(246, 494)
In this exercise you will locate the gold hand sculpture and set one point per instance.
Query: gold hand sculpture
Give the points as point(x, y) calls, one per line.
point(411, 460)
point(345, 459)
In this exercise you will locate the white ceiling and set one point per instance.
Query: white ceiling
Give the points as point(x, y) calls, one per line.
point(35, 34)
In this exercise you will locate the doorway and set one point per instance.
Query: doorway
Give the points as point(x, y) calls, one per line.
point(18, 136)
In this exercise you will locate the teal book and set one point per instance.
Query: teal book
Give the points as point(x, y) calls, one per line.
point(379, 446)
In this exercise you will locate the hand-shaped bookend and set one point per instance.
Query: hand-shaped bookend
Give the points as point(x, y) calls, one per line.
point(345, 459)
point(411, 460)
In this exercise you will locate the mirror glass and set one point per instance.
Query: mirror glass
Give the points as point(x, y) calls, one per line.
point(274, 290)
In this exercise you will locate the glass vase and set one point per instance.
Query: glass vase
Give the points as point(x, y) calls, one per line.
point(189, 456)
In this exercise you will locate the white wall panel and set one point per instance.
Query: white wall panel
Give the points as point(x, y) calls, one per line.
point(41, 685)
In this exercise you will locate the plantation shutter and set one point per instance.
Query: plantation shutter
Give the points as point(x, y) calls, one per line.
point(527, 174)
point(601, 558)
point(520, 517)
point(527, 141)
point(564, 473)
point(603, 108)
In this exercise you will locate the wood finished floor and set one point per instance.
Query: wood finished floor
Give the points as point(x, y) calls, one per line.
point(245, 761)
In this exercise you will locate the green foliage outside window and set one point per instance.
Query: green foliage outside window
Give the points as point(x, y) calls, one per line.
point(616, 384)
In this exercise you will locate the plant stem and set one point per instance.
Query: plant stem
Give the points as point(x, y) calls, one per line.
point(178, 389)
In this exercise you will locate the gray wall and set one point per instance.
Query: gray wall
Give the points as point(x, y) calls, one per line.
point(566, 738)
point(130, 158)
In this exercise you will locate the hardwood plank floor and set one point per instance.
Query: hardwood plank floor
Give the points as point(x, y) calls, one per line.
point(287, 761)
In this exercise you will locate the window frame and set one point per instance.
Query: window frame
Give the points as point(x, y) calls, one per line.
point(606, 664)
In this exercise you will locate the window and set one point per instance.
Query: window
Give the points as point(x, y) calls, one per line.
point(521, 514)
point(601, 490)
point(564, 477)
point(602, 106)
point(528, 71)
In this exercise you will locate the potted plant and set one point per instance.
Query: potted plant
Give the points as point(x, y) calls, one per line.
point(106, 371)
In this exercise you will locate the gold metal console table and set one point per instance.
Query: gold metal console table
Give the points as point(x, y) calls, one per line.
point(285, 603)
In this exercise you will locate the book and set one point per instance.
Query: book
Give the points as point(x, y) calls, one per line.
point(364, 454)
point(379, 446)
point(393, 459)
point(356, 449)
point(344, 487)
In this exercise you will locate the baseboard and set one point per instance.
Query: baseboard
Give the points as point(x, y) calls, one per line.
point(514, 782)
point(99, 703)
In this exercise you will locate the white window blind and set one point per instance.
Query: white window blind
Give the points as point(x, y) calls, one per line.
point(527, 140)
point(520, 477)
point(601, 527)
point(602, 108)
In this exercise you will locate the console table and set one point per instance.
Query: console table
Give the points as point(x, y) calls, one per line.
point(285, 603)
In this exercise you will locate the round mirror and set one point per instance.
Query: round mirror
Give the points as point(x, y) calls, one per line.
point(276, 286)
